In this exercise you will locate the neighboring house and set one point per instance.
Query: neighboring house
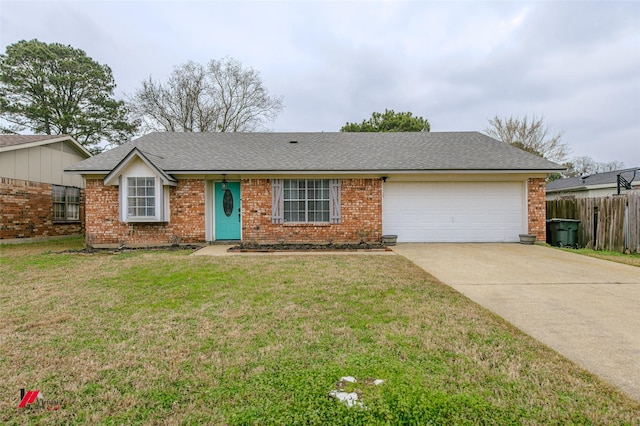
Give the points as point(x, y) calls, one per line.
point(313, 187)
point(593, 186)
point(37, 199)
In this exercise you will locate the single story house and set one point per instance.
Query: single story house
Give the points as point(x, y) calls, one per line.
point(37, 199)
point(168, 188)
point(596, 185)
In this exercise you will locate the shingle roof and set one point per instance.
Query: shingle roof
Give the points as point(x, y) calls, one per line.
point(269, 152)
point(12, 140)
point(16, 142)
point(606, 178)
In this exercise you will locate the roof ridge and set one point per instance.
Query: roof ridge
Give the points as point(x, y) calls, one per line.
point(324, 151)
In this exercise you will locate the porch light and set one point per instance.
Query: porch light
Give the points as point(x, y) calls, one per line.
point(223, 184)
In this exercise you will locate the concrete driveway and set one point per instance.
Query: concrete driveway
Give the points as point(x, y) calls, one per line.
point(584, 308)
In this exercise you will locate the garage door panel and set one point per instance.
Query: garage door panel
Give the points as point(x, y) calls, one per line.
point(451, 212)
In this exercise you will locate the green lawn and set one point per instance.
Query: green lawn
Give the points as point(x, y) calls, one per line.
point(632, 259)
point(166, 338)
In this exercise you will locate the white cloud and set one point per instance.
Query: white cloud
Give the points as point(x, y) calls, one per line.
point(455, 63)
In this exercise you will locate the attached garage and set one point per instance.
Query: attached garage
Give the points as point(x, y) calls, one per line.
point(454, 211)
point(341, 187)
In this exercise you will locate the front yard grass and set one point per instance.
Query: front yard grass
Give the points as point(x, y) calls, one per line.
point(165, 338)
point(632, 259)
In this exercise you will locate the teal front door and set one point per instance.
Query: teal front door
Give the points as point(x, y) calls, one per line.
point(227, 211)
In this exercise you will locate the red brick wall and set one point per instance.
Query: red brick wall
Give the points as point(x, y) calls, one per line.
point(361, 215)
point(26, 211)
point(186, 224)
point(537, 207)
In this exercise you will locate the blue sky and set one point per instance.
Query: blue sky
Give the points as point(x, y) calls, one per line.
point(455, 63)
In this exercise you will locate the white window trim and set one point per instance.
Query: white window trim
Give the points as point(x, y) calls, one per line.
point(161, 202)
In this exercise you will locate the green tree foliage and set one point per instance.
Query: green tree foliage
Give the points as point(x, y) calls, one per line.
point(56, 89)
point(529, 135)
point(389, 121)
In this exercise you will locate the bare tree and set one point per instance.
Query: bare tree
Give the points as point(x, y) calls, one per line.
point(585, 165)
point(610, 166)
point(178, 105)
point(532, 136)
point(218, 97)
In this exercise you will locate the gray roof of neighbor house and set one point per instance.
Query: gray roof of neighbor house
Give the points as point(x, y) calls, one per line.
point(15, 142)
point(321, 152)
point(583, 182)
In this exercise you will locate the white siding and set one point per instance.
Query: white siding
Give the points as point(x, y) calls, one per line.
point(43, 163)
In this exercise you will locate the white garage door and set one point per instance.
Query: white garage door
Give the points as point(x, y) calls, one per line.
point(454, 211)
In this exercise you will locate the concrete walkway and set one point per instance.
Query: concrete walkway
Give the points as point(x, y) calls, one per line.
point(584, 308)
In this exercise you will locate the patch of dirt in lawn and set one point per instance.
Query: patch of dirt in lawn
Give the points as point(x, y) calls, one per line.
point(254, 247)
point(123, 249)
point(243, 247)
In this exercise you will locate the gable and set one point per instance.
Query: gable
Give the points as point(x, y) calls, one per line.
point(63, 142)
point(43, 163)
point(137, 167)
point(137, 164)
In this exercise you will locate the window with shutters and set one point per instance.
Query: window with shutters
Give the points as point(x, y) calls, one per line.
point(306, 201)
point(66, 203)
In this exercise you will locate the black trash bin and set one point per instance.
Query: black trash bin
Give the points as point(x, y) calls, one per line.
point(563, 232)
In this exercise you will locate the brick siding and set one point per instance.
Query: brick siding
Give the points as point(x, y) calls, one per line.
point(26, 211)
point(186, 224)
point(361, 215)
point(537, 208)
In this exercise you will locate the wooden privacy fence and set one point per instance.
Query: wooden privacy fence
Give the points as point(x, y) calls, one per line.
point(607, 223)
